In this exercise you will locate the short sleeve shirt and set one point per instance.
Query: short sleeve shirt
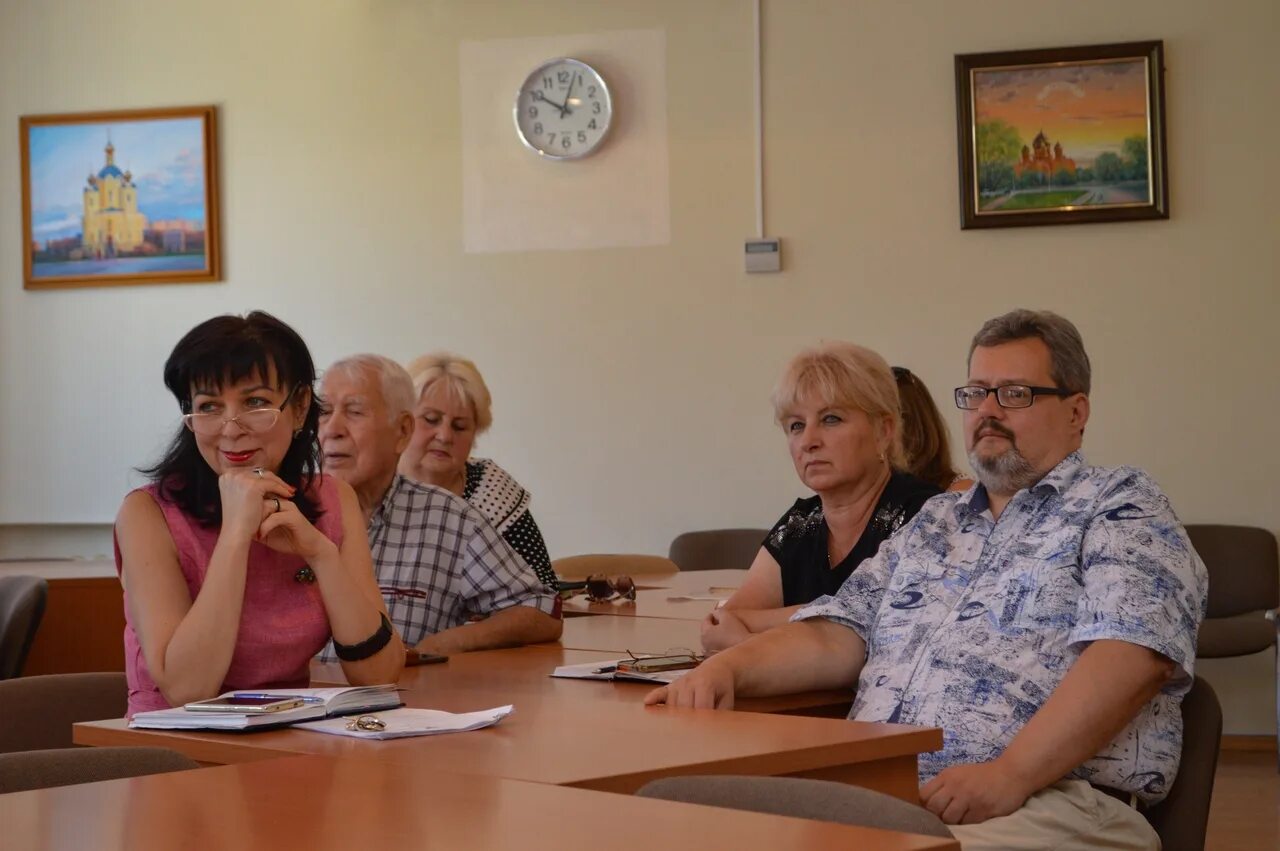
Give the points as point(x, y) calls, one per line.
point(972, 622)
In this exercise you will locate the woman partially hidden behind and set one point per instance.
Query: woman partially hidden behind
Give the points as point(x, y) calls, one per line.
point(240, 560)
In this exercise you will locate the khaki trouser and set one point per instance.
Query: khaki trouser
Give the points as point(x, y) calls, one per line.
point(1066, 816)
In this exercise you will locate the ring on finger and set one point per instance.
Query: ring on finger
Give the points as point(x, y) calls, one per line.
point(276, 500)
point(258, 471)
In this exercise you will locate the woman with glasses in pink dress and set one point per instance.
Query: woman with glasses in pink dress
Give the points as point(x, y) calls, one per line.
point(240, 560)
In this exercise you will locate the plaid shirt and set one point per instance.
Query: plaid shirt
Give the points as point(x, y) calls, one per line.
point(439, 563)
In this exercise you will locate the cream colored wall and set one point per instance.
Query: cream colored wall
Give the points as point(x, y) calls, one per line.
point(631, 384)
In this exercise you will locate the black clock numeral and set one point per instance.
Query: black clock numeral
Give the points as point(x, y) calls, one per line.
point(547, 82)
point(551, 139)
point(579, 79)
point(591, 125)
point(591, 91)
point(533, 112)
point(537, 129)
point(595, 107)
point(562, 77)
point(565, 142)
point(582, 136)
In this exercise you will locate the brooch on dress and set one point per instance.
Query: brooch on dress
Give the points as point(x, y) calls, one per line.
point(305, 575)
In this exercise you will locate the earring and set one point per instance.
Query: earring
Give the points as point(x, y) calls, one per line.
point(296, 432)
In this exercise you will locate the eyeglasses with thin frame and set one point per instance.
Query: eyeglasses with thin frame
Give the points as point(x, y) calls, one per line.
point(971, 396)
point(258, 420)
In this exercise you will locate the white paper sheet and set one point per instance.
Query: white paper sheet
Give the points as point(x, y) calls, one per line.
point(405, 722)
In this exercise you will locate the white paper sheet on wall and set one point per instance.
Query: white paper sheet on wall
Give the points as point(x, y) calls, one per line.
point(513, 200)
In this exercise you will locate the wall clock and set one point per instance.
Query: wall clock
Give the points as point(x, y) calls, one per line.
point(563, 110)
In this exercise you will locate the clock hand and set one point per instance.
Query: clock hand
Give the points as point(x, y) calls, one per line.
point(538, 95)
point(565, 110)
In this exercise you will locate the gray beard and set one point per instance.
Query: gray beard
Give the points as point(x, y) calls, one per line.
point(1007, 473)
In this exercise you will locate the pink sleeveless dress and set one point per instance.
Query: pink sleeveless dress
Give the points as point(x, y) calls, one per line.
point(283, 622)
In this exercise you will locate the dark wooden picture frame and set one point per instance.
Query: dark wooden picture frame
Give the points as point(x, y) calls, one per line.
point(1063, 135)
point(115, 227)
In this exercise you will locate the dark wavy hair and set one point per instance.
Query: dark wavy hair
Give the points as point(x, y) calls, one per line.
point(220, 352)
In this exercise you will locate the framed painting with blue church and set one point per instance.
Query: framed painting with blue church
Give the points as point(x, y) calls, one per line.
point(115, 198)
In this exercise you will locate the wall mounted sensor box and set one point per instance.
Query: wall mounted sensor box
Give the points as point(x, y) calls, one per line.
point(764, 255)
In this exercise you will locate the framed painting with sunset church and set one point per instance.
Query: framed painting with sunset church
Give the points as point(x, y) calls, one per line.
point(1064, 135)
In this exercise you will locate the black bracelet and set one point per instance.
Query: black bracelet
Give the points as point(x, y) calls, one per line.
point(366, 648)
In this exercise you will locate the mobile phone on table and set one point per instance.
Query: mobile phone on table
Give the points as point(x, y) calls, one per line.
point(414, 657)
point(249, 704)
point(656, 664)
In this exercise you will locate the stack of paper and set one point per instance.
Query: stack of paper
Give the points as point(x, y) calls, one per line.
point(413, 722)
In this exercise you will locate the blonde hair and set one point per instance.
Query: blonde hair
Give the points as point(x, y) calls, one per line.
point(844, 375)
point(461, 378)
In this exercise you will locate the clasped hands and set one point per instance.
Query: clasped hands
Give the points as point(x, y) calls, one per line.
point(258, 505)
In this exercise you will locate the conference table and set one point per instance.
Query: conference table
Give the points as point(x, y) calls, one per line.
point(571, 733)
point(325, 804)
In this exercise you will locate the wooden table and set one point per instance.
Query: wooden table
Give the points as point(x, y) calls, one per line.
point(639, 635)
point(613, 746)
point(527, 671)
point(653, 598)
point(318, 803)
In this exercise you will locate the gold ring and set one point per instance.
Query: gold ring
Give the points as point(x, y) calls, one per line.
point(367, 724)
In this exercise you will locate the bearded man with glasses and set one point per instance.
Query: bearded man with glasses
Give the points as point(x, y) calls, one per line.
point(1045, 619)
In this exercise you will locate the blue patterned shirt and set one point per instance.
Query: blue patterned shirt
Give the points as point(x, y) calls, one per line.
point(971, 623)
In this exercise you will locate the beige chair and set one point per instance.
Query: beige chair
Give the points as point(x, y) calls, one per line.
point(612, 564)
point(821, 800)
point(38, 712)
point(1182, 818)
point(717, 549)
point(65, 766)
point(22, 600)
point(1244, 593)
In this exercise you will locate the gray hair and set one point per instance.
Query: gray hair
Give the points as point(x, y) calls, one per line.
point(396, 386)
point(1068, 362)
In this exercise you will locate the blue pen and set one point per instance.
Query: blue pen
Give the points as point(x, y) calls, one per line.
point(248, 695)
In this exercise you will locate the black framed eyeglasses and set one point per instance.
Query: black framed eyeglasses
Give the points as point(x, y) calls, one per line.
point(257, 420)
point(971, 396)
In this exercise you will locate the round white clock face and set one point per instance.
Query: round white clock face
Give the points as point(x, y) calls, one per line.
point(563, 110)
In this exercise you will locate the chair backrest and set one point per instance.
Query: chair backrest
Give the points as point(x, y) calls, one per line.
point(22, 600)
point(612, 564)
point(65, 766)
point(717, 549)
point(1183, 816)
point(800, 797)
point(38, 711)
point(1243, 565)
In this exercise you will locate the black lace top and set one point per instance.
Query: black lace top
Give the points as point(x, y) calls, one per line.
point(798, 542)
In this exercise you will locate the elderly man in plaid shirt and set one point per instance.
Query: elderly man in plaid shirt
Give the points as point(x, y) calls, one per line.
point(451, 582)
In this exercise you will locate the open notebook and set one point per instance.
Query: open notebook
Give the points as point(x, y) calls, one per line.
point(319, 703)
